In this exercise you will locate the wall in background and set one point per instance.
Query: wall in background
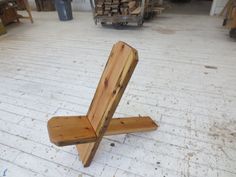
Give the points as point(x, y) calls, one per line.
point(217, 6)
point(81, 5)
point(84, 5)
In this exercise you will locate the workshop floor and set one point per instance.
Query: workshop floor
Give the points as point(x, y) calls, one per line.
point(185, 80)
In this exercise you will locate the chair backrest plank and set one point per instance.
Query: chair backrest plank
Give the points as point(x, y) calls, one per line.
point(115, 77)
point(120, 59)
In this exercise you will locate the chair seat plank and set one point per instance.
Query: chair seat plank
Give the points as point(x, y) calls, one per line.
point(69, 130)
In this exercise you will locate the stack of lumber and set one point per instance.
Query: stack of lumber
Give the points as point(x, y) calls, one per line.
point(117, 7)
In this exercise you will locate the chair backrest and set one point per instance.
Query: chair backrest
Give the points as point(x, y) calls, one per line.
point(115, 77)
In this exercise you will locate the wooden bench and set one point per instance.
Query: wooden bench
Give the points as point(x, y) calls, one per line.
point(86, 132)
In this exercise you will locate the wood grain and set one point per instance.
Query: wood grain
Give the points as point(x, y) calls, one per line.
point(69, 130)
point(115, 77)
point(130, 125)
point(136, 11)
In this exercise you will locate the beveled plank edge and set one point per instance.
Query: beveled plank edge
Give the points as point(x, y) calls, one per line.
point(68, 143)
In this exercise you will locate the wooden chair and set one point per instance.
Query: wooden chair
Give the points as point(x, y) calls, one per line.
point(87, 131)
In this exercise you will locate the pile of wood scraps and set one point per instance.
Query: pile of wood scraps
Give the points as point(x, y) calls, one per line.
point(121, 12)
point(117, 7)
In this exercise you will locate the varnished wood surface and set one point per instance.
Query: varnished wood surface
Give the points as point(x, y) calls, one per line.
point(69, 130)
point(115, 77)
point(130, 125)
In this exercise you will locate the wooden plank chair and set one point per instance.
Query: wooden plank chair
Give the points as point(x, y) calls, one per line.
point(87, 131)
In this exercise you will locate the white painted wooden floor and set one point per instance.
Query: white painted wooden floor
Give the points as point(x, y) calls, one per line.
point(185, 80)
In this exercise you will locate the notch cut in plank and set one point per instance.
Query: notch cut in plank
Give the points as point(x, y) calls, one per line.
point(116, 75)
point(69, 130)
point(130, 125)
